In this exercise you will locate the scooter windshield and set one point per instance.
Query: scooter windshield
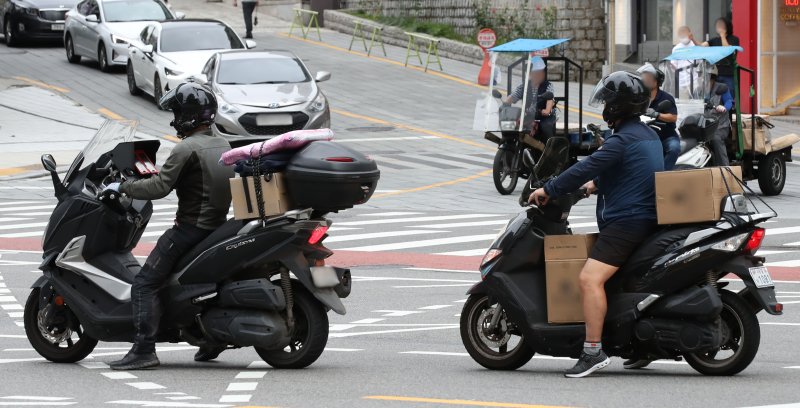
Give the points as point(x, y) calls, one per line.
point(110, 134)
point(501, 107)
point(689, 82)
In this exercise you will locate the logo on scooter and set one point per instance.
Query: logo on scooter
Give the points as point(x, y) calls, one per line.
point(683, 257)
point(239, 244)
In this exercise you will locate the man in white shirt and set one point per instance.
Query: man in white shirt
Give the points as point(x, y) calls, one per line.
point(685, 40)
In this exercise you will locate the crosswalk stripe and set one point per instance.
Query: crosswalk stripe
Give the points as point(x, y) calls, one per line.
point(792, 263)
point(164, 206)
point(420, 219)
point(13, 219)
point(33, 207)
point(456, 162)
point(390, 214)
point(3, 204)
point(23, 234)
point(373, 235)
point(27, 225)
point(466, 224)
point(33, 214)
point(423, 243)
point(792, 244)
point(781, 231)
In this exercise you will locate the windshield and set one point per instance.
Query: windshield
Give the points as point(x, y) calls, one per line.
point(135, 10)
point(198, 37)
point(270, 70)
point(110, 134)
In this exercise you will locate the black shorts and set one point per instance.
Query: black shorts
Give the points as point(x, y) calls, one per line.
point(619, 239)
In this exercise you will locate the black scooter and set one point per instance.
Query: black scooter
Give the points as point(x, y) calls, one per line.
point(667, 302)
point(233, 289)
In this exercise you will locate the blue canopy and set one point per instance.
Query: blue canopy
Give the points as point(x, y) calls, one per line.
point(710, 54)
point(527, 45)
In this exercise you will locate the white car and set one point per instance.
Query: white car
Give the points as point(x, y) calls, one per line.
point(103, 29)
point(167, 53)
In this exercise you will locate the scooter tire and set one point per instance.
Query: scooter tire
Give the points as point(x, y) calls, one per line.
point(497, 172)
point(71, 354)
point(512, 360)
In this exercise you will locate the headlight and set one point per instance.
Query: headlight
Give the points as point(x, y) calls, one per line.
point(119, 40)
point(31, 11)
point(508, 125)
point(731, 244)
point(319, 103)
point(172, 72)
point(226, 108)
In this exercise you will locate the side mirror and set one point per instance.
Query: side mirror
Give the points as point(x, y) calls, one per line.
point(147, 49)
point(722, 89)
point(49, 163)
point(527, 158)
point(322, 76)
point(92, 18)
point(497, 94)
point(664, 106)
point(180, 15)
point(250, 44)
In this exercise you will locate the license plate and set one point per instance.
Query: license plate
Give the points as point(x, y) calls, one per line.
point(761, 277)
point(272, 119)
point(57, 27)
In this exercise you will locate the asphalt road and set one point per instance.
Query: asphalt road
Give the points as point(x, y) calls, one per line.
point(434, 214)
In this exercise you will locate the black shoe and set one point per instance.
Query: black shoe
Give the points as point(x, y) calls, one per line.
point(134, 361)
point(587, 364)
point(248, 36)
point(208, 353)
point(635, 364)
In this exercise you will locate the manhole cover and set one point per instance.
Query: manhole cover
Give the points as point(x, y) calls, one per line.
point(371, 129)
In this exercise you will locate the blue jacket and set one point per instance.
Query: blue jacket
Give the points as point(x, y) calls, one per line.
point(624, 171)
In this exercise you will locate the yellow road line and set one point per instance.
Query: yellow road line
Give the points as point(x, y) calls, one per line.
point(412, 128)
point(109, 114)
point(10, 171)
point(434, 185)
point(414, 67)
point(41, 84)
point(457, 402)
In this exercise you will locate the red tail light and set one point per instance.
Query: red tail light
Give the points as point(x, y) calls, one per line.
point(340, 159)
point(754, 242)
point(317, 234)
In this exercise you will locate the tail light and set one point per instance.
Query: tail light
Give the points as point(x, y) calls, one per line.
point(317, 235)
point(340, 159)
point(754, 242)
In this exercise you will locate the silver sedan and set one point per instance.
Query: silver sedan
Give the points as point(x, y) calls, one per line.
point(103, 29)
point(265, 93)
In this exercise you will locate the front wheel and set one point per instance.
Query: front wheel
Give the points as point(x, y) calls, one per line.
point(69, 46)
point(10, 33)
point(501, 348)
point(309, 337)
point(158, 91)
point(132, 87)
point(54, 331)
point(741, 337)
point(504, 171)
point(102, 58)
point(772, 174)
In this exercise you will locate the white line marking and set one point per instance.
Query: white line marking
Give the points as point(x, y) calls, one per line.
point(28, 208)
point(466, 224)
point(391, 278)
point(235, 398)
point(433, 286)
point(165, 404)
point(19, 360)
point(336, 335)
point(441, 270)
point(23, 234)
point(93, 365)
point(146, 385)
point(435, 353)
point(13, 219)
point(32, 397)
point(119, 375)
point(15, 315)
point(373, 235)
point(16, 202)
point(7, 299)
point(4, 290)
point(434, 307)
point(420, 219)
point(396, 313)
point(389, 214)
point(342, 349)
point(779, 324)
point(424, 243)
point(781, 231)
point(183, 398)
point(12, 307)
point(250, 375)
point(13, 336)
point(340, 327)
point(792, 263)
point(242, 386)
point(383, 139)
point(367, 321)
point(32, 403)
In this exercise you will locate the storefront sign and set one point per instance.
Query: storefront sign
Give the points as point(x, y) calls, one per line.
point(790, 10)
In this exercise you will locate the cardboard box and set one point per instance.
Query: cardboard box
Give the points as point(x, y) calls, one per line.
point(564, 257)
point(763, 139)
point(274, 195)
point(693, 195)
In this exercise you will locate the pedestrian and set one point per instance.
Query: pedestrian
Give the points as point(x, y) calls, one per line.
point(687, 73)
point(248, 7)
point(726, 38)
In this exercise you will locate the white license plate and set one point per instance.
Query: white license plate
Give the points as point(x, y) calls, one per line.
point(761, 277)
point(273, 119)
point(57, 27)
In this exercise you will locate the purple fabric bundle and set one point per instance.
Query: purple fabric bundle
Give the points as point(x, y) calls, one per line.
point(287, 141)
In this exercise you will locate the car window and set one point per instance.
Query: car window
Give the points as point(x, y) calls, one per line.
point(92, 8)
point(83, 7)
point(135, 10)
point(153, 40)
point(145, 35)
point(262, 70)
point(209, 68)
point(192, 37)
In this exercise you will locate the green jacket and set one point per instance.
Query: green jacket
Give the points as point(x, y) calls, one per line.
point(201, 183)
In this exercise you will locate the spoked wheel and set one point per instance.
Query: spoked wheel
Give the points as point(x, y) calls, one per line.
point(308, 339)
point(741, 336)
point(54, 331)
point(772, 174)
point(504, 171)
point(501, 348)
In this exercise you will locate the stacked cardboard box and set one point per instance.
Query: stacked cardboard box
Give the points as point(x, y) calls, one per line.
point(273, 193)
point(564, 257)
point(694, 195)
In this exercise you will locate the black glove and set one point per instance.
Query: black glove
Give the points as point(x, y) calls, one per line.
point(651, 113)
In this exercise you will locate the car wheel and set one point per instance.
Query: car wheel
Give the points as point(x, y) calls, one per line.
point(102, 58)
point(70, 47)
point(132, 87)
point(158, 91)
point(10, 33)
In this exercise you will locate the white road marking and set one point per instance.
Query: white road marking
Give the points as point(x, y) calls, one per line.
point(390, 214)
point(781, 231)
point(16, 202)
point(7, 299)
point(166, 404)
point(424, 243)
point(373, 235)
point(396, 313)
point(460, 301)
point(419, 219)
point(242, 386)
point(792, 244)
point(384, 139)
point(4, 290)
point(367, 321)
point(38, 398)
point(20, 360)
point(12, 307)
point(435, 353)
point(391, 278)
point(93, 365)
point(441, 270)
point(28, 208)
point(433, 286)
point(144, 385)
point(434, 307)
point(251, 375)
point(339, 335)
point(340, 327)
point(466, 224)
point(13, 219)
point(119, 375)
point(13, 336)
point(33, 403)
point(23, 234)
point(16, 314)
point(792, 263)
point(779, 324)
point(346, 350)
point(183, 398)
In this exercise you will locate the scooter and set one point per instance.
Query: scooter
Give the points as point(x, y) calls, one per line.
point(695, 132)
point(666, 302)
point(249, 283)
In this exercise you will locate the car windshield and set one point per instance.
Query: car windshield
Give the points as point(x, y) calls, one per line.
point(110, 134)
point(264, 70)
point(195, 37)
point(135, 10)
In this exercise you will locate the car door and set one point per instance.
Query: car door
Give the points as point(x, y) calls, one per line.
point(85, 39)
point(148, 70)
point(138, 58)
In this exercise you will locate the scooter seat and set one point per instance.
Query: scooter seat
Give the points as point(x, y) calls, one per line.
point(225, 231)
point(688, 144)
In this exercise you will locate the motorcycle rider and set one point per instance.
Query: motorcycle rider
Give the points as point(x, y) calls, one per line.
point(537, 85)
point(721, 105)
point(622, 171)
point(653, 79)
point(201, 184)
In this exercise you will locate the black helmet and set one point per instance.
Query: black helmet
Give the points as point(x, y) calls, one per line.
point(193, 106)
point(623, 96)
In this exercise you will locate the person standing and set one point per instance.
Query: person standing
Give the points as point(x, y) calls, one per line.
point(725, 38)
point(687, 79)
point(248, 7)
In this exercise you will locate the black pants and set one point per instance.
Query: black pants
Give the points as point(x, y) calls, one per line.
point(175, 242)
point(248, 7)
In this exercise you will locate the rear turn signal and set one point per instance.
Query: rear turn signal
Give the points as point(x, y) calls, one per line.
point(754, 242)
point(491, 255)
point(317, 234)
point(340, 159)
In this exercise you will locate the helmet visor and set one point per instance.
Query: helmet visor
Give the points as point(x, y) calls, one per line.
point(168, 99)
point(600, 95)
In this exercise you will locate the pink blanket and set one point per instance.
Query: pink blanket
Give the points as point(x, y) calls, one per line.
point(287, 141)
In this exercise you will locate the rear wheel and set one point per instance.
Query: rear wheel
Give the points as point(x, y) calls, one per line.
point(70, 48)
point(504, 171)
point(308, 339)
point(501, 348)
point(55, 334)
point(741, 337)
point(772, 174)
point(132, 87)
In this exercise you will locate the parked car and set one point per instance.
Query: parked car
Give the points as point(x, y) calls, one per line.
point(167, 53)
point(103, 29)
point(33, 19)
point(265, 93)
